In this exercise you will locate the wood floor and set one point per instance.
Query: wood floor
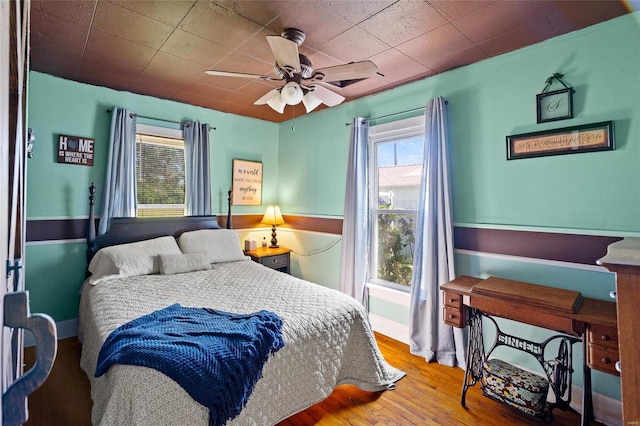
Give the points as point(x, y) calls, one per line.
point(428, 395)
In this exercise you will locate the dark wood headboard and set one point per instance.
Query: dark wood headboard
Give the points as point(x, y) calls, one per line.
point(131, 229)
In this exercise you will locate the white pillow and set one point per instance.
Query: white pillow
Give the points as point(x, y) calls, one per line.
point(128, 260)
point(180, 263)
point(220, 245)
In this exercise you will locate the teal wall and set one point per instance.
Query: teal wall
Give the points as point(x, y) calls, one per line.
point(488, 101)
point(54, 272)
point(591, 193)
point(58, 106)
point(305, 163)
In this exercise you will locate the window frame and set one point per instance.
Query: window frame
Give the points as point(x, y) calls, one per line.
point(163, 132)
point(379, 134)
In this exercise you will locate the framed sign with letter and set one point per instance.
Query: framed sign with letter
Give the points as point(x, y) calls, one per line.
point(246, 183)
point(553, 106)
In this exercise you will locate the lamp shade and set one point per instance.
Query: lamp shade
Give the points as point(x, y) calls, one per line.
point(292, 93)
point(273, 216)
point(311, 101)
point(277, 103)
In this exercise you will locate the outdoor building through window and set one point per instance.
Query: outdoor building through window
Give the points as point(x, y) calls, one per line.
point(160, 173)
point(395, 170)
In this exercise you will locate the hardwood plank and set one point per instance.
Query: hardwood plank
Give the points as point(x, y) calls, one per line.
point(65, 397)
point(428, 395)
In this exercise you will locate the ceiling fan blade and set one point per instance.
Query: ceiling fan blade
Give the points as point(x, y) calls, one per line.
point(285, 51)
point(239, 74)
point(352, 71)
point(327, 97)
point(270, 94)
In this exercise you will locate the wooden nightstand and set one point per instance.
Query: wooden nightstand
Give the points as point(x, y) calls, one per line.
point(274, 258)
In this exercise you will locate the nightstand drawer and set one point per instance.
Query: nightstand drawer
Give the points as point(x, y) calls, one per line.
point(277, 258)
point(276, 261)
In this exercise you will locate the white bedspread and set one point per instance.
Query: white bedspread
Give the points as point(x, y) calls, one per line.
point(327, 334)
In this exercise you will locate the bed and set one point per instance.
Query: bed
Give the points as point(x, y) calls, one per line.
point(328, 339)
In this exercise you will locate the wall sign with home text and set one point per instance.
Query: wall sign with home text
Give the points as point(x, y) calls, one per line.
point(246, 183)
point(75, 150)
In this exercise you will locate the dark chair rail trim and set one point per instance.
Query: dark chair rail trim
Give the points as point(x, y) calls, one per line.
point(563, 247)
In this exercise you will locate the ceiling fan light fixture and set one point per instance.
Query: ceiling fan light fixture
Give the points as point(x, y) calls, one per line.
point(270, 94)
point(295, 71)
point(292, 93)
point(311, 101)
point(277, 103)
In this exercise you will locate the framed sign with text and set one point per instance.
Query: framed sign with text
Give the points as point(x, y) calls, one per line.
point(246, 183)
point(567, 140)
point(75, 150)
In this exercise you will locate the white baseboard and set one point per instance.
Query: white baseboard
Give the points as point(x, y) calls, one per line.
point(386, 326)
point(393, 329)
point(606, 410)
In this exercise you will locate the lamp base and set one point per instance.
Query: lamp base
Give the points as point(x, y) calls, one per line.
point(274, 240)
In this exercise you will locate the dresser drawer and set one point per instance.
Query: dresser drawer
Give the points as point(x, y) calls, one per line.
point(454, 316)
point(603, 336)
point(452, 299)
point(276, 261)
point(603, 359)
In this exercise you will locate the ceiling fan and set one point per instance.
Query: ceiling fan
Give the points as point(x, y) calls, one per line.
point(301, 80)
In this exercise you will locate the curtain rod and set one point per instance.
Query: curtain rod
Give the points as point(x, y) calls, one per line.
point(395, 113)
point(159, 119)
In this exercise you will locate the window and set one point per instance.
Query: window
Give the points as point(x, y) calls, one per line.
point(395, 171)
point(160, 172)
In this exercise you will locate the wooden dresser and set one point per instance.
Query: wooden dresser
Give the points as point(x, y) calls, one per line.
point(623, 258)
point(565, 311)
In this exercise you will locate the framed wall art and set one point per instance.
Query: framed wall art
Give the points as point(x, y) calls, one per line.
point(246, 189)
point(556, 105)
point(75, 150)
point(567, 140)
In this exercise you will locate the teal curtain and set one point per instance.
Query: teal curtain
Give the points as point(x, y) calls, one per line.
point(119, 194)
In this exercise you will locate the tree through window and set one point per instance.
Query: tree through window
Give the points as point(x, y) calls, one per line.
point(395, 166)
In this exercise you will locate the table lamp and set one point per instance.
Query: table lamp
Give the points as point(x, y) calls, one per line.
point(273, 217)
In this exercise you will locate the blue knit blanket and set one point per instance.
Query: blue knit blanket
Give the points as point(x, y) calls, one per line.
point(216, 356)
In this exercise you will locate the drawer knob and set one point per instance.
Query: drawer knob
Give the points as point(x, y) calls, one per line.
point(606, 360)
point(451, 316)
point(618, 368)
point(452, 300)
point(604, 337)
point(613, 294)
